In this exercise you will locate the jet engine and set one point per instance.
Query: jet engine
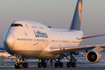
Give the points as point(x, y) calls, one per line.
point(93, 56)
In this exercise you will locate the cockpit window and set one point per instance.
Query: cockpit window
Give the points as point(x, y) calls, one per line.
point(16, 25)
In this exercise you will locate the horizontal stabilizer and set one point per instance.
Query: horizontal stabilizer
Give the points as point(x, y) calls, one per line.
point(85, 37)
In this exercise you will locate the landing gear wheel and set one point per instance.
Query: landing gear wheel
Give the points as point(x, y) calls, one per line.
point(39, 65)
point(20, 65)
point(61, 64)
point(56, 64)
point(69, 64)
point(73, 64)
point(44, 65)
point(16, 66)
point(25, 65)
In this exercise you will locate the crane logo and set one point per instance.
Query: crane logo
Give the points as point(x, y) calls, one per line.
point(80, 9)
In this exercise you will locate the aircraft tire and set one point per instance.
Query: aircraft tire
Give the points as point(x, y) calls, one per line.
point(73, 64)
point(20, 65)
point(61, 64)
point(56, 64)
point(44, 65)
point(39, 65)
point(25, 65)
point(16, 66)
point(69, 64)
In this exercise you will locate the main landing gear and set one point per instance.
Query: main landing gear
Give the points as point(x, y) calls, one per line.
point(42, 64)
point(20, 64)
point(72, 62)
point(58, 64)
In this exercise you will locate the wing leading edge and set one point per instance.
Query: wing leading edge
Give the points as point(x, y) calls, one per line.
point(64, 49)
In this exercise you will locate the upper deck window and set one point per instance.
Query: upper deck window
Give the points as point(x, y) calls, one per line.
point(41, 27)
point(34, 26)
point(16, 25)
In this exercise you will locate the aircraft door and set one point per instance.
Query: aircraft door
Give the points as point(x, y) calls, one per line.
point(28, 37)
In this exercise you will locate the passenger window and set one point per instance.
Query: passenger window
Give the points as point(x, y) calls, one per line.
point(16, 25)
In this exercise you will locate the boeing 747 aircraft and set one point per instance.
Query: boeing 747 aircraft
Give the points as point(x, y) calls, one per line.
point(28, 39)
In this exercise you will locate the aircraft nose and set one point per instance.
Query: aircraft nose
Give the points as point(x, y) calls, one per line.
point(9, 41)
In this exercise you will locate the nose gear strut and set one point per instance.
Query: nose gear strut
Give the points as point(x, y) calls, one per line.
point(20, 64)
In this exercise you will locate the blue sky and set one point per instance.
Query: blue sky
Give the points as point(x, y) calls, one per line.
point(55, 13)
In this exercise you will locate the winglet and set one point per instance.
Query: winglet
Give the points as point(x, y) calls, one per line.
point(76, 21)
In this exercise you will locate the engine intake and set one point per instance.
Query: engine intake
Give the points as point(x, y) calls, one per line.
point(93, 56)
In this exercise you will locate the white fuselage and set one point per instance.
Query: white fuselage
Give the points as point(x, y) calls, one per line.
point(33, 39)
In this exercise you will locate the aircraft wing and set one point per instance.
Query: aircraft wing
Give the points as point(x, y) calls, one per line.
point(85, 37)
point(64, 49)
point(2, 48)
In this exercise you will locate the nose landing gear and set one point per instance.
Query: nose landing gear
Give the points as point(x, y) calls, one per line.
point(20, 64)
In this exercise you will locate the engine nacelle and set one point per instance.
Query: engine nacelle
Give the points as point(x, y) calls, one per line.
point(93, 56)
